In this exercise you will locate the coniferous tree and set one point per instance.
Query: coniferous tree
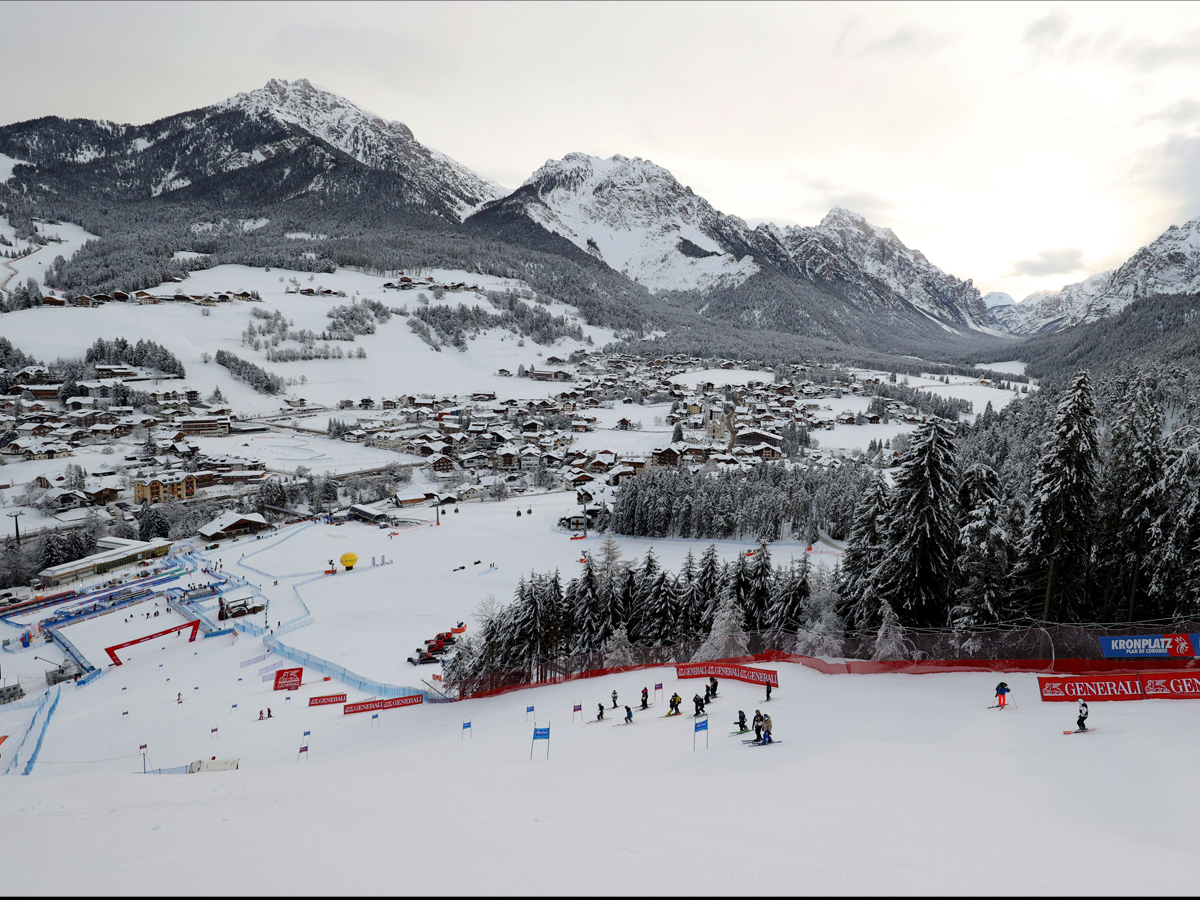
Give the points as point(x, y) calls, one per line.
point(1058, 538)
point(915, 575)
point(758, 590)
point(708, 587)
point(984, 563)
point(728, 636)
point(789, 599)
point(1130, 503)
point(864, 552)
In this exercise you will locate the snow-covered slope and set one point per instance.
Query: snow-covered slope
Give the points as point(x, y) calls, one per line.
point(1168, 265)
point(846, 247)
point(638, 219)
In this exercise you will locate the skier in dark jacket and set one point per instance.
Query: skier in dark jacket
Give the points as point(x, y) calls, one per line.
point(699, 704)
point(1001, 694)
point(707, 693)
point(645, 698)
point(713, 683)
point(628, 716)
point(1081, 722)
point(600, 706)
point(741, 721)
point(758, 725)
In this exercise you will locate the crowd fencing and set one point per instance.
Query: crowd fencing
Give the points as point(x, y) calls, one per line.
point(37, 748)
point(1065, 649)
point(41, 702)
point(344, 675)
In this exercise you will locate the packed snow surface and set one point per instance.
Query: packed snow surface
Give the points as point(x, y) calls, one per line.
point(882, 783)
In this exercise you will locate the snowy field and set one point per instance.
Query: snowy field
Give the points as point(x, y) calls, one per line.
point(894, 784)
point(397, 360)
point(287, 452)
point(371, 619)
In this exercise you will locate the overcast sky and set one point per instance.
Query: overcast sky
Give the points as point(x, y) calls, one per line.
point(1022, 145)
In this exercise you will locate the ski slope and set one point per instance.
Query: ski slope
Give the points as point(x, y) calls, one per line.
point(882, 784)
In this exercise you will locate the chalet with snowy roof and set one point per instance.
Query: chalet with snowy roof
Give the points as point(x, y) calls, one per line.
point(233, 524)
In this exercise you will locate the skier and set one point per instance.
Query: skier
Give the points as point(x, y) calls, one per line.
point(699, 705)
point(179, 698)
point(628, 716)
point(269, 712)
point(676, 700)
point(741, 721)
point(707, 694)
point(758, 725)
point(1081, 723)
point(1001, 692)
point(768, 692)
point(260, 715)
point(614, 696)
point(766, 729)
point(712, 681)
point(601, 715)
point(645, 699)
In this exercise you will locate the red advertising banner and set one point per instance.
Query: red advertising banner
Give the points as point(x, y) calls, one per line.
point(1090, 687)
point(368, 705)
point(726, 670)
point(327, 699)
point(1170, 687)
point(288, 679)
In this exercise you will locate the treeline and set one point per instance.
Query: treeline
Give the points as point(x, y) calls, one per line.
point(454, 325)
point(257, 377)
point(770, 502)
point(612, 607)
point(144, 353)
point(926, 401)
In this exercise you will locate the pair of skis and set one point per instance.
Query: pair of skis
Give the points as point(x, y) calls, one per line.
point(761, 743)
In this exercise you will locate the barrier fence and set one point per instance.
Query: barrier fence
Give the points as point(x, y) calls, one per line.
point(15, 760)
point(367, 685)
point(37, 748)
point(1065, 649)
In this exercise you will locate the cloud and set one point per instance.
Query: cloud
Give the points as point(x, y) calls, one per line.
point(1051, 262)
point(1173, 167)
point(1046, 30)
point(1184, 112)
point(1147, 56)
point(905, 39)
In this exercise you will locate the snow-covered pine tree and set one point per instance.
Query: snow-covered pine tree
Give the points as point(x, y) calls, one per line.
point(708, 587)
point(1130, 502)
point(789, 594)
point(1058, 535)
point(823, 630)
point(915, 575)
point(1175, 583)
point(758, 590)
point(889, 642)
point(638, 612)
point(591, 612)
point(864, 551)
point(691, 608)
point(728, 636)
point(619, 651)
point(984, 562)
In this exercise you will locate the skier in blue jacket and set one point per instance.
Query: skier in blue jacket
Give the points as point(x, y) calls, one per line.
point(1002, 690)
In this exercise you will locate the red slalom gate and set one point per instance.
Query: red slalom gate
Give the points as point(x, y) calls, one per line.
point(368, 705)
point(112, 651)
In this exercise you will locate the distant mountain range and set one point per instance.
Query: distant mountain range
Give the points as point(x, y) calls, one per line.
point(294, 144)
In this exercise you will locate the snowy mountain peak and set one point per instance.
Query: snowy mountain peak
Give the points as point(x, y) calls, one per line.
point(1168, 265)
point(316, 110)
point(372, 140)
point(635, 216)
point(846, 247)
